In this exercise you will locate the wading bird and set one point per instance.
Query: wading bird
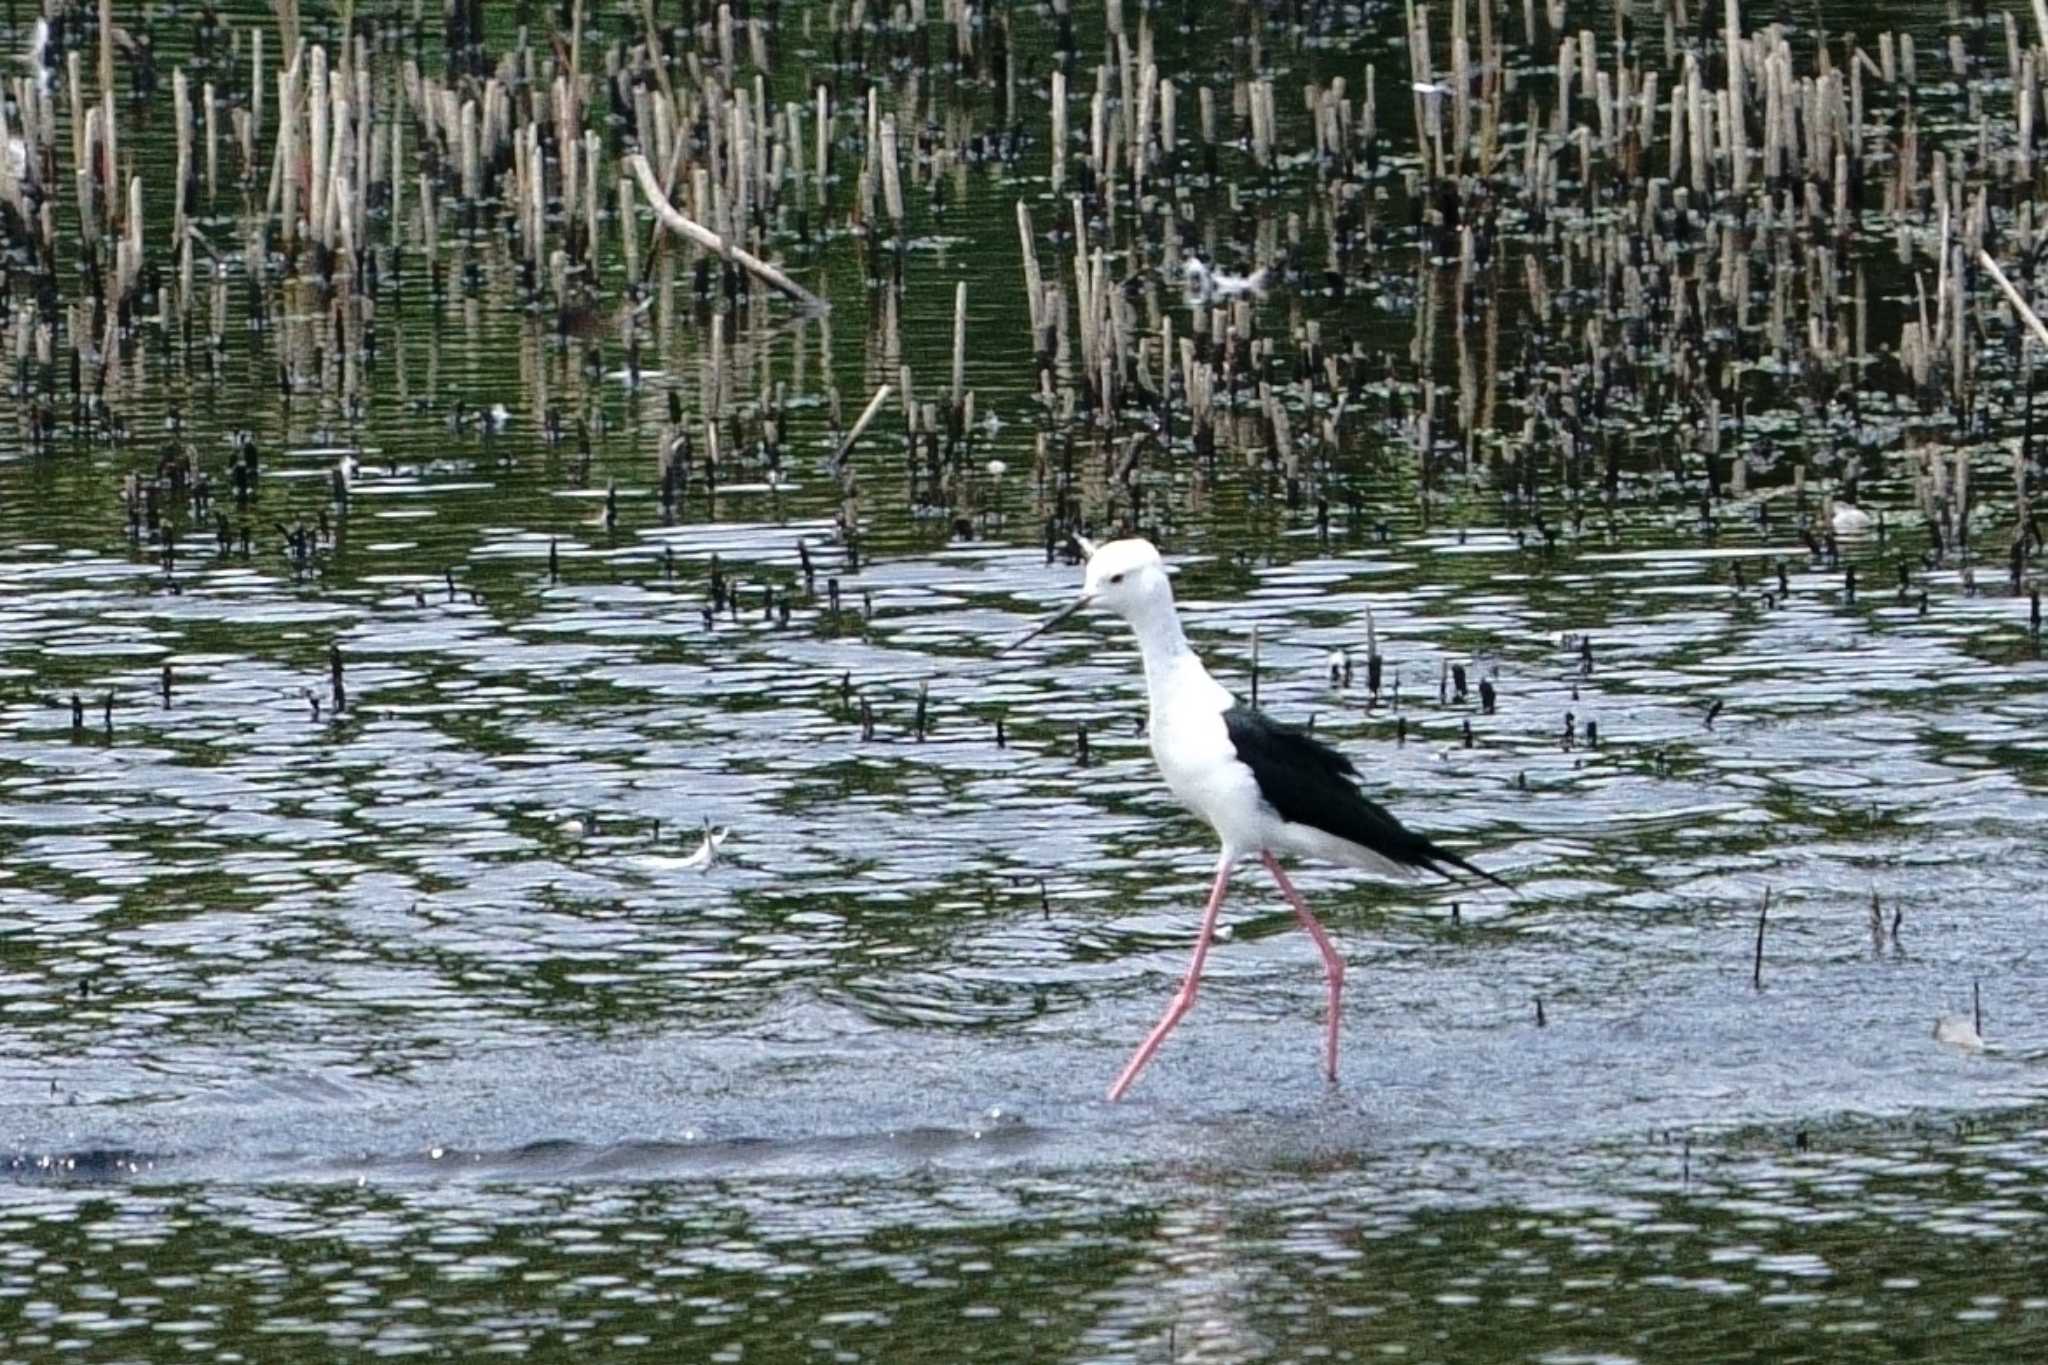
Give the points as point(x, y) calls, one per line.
point(1266, 788)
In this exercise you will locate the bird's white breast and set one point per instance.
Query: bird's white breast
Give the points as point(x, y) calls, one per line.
point(1201, 767)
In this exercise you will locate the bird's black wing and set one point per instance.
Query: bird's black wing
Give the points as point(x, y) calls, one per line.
point(1307, 782)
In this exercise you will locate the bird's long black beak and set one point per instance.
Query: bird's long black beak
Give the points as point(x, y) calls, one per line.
point(1042, 627)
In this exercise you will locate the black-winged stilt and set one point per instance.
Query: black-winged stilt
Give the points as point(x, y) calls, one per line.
point(1266, 788)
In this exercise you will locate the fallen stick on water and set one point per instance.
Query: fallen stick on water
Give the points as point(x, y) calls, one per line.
point(676, 221)
point(867, 415)
point(2027, 315)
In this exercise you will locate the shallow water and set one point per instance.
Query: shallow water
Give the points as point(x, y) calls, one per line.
point(1908, 1248)
point(417, 1028)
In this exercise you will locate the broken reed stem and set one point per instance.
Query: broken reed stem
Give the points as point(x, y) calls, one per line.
point(1059, 130)
point(867, 416)
point(1255, 666)
point(892, 176)
point(959, 343)
point(1756, 976)
point(2027, 315)
point(110, 139)
point(1033, 283)
point(675, 221)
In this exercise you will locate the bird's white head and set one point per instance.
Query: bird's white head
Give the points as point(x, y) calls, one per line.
point(1129, 578)
point(1124, 576)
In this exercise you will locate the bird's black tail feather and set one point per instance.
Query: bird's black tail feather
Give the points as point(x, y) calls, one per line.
point(1435, 855)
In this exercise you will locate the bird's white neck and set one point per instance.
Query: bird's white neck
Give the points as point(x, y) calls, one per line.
point(1169, 659)
point(1160, 638)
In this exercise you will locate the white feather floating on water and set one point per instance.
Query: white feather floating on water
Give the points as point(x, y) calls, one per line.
point(707, 852)
point(1958, 1031)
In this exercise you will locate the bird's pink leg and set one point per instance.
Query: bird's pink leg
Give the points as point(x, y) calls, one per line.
point(1333, 965)
point(1184, 998)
